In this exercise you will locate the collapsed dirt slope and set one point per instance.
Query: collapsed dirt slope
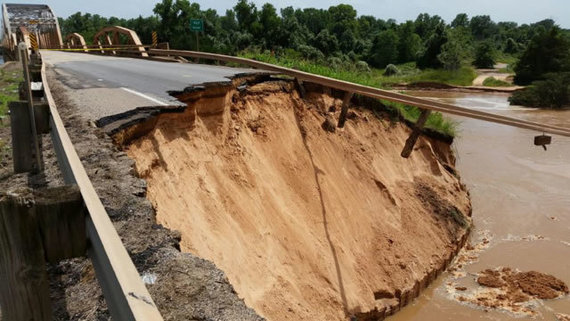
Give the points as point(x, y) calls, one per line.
point(307, 224)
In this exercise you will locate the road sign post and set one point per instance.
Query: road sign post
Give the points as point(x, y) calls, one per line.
point(197, 25)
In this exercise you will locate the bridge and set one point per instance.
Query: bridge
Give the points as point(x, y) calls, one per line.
point(21, 20)
point(146, 76)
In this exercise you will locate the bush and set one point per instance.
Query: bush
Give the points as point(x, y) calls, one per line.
point(547, 52)
point(335, 63)
point(511, 46)
point(391, 70)
point(310, 52)
point(493, 82)
point(362, 66)
point(484, 55)
point(353, 56)
point(463, 76)
point(553, 92)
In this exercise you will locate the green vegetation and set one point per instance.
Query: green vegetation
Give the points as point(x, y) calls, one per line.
point(484, 55)
point(435, 121)
point(10, 78)
point(88, 24)
point(461, 77)
point(376, 78)
point(337, 32)
point(551, 92)
point(545, 65)
point(506, 58)
point(338, 43)
point(494, 82)
point(547, 52)
point(9, 81)
point(349, 71)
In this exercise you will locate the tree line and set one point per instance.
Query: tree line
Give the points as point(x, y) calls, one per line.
point(317, 33)
point(340, 33)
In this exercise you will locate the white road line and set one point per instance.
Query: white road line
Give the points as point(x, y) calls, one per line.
point(145, 96)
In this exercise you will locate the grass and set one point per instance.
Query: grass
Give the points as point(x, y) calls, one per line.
point(9, 81)
point(493, 82)
point(508, 59)
point(464, 76)
point(408, 73)
point(372, 77)
point(435, 121)
point(10, 78)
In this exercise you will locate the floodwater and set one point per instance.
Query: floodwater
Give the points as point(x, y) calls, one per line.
point(521, 206)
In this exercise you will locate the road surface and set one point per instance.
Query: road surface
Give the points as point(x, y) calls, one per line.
point(104, 86)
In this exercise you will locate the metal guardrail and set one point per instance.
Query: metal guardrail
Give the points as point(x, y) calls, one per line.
point(372, 92)
point(123, 288)
point(362, 90)
point(126, 296)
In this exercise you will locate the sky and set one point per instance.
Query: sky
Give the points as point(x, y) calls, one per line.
point(520, 11)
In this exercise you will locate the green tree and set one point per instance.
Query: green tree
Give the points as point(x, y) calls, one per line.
point(454, 51)
point(409, 44)
point(229, 22)
point(246, 14)
point(144, 28)
point(314, 19)
point(174, 17)
point(547, 52)
point(432, 49)
point(292, 34)
point(326, 42)
point(347, 41)
point(426, 25)
point(461, 20)
point(552, 92)
point(482, 27)
point(270, 24)
point(484, 55)
point(511, 46)
point(342, 18)
point(384, 49)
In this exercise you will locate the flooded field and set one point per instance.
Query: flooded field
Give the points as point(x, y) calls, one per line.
point(521, 212)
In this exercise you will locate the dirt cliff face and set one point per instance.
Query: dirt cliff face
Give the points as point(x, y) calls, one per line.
point(308, 224)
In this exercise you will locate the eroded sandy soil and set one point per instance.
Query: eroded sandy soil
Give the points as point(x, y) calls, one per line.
point(307, 224)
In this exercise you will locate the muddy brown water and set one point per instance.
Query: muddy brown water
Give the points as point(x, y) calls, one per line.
point(521, 206)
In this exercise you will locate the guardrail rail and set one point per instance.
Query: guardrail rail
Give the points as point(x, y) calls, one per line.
point(90, 230)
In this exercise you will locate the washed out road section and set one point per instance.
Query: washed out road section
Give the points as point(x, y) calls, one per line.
point(104, 86)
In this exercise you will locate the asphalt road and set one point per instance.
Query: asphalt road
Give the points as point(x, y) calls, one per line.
point(104, 86)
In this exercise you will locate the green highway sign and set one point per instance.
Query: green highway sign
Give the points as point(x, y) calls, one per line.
point(196, 25)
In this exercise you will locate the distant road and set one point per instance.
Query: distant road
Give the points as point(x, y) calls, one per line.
point(103, 86)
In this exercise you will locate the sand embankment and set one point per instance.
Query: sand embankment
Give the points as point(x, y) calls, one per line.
point(307, 224)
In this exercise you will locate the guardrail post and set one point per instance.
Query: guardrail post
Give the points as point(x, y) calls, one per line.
point(21, 137)
point(416, 132)
point(23, 123)
point(300, 87)
point(24, 294)
point(35, 226)
point(345, 104)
